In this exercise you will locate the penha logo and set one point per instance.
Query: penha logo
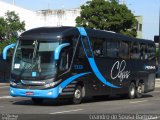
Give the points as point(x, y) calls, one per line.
point(118, 70)
point(149, 67)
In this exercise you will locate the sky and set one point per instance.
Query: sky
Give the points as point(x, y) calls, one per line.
point(149, 9)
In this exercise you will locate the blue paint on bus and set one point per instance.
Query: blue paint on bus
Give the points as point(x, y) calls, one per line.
point(92, 61)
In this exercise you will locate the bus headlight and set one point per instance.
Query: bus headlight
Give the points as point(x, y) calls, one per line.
point(53, 83)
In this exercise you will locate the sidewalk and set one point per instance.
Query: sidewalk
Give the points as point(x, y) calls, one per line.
point(158, 79)
point(4, 84)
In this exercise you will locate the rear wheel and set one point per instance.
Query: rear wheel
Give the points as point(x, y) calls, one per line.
point(37, 101)
point(77, 98)
point(139, 90)
point(132, 91)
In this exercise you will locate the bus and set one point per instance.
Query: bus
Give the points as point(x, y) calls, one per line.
point(76, 62)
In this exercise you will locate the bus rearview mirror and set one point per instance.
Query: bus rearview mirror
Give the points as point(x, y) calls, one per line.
point(58, 50)
point(5, 50)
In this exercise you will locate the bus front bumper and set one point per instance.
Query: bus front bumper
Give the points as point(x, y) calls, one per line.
point(49, 93)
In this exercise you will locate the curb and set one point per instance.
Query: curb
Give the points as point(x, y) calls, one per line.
point(157, 80)
point(4, 84)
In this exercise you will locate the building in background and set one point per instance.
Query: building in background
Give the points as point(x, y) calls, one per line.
point(58, 17)
point(62, 17)
point(30, 17)
point(44, 18)
point(139, 26)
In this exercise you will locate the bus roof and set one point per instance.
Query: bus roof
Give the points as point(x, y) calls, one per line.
point(46, 33)
point(60, 32)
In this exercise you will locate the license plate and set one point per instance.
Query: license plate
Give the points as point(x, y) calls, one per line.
point(29, 93)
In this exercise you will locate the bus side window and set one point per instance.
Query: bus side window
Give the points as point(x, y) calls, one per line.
point(143, 52)
point(151, 52)
point(124, 50)
point(64, 60)
point(135, 51)
point(112, 49)
point(98, 47)
point(80, 51)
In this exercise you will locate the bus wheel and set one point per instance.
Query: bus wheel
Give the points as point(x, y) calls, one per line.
point(132, 91)
point(139, 90)
point(77, 99)
point(37, 101)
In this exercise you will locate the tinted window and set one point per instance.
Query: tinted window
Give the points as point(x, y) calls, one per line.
point(124, 50)
point(112, 48)
point(143, 52)
point(86, 45)
point(80, 50)
point(135, 51)
point(98, 47)
point(151, 52)
point(63, 62)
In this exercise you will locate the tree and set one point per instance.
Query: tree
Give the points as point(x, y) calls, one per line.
point(3, 27)
point(107, 15)
point(14, 24)
point(10, 25)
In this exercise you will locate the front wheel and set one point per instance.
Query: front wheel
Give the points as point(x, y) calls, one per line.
point(77, 98)
point(132, 91)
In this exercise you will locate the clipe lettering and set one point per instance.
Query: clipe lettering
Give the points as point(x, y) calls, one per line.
point(119, 71)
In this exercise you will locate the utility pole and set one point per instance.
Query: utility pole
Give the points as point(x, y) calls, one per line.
point(159, 41)
point(123, 2)
point(13, 2)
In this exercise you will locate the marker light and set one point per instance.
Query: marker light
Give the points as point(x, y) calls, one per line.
point(12, 91)
point(50, 93)
point(12, 83)
point(53, 83)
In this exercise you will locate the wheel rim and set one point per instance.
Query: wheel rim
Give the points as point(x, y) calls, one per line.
point(139, 89)
point(132, 91)
point(77, 94)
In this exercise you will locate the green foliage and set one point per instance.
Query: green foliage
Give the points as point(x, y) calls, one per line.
point(3, 27)
point(107, 15)
point(10, 25)
point(7, 42)
point(14, 22)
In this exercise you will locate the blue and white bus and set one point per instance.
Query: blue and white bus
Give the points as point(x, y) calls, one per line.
point(70, 62)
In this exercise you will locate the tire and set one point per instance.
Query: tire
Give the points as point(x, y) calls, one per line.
point(139, 90)
point(77, 98)
point(37, 101)
point(132, 91)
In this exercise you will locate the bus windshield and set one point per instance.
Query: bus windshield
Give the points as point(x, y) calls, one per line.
point(34, 56)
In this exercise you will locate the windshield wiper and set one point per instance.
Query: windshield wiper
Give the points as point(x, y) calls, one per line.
point(33, 64)
point(35, 49)
point(36, 63)
point(34, 56)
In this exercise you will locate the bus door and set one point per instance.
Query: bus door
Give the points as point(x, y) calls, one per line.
point(94, 82)
point(99, 51)
point(90, 56)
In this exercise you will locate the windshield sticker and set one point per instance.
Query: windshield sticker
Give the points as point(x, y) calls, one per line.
point(17, 66)
point(118, 71)
point(34, 74)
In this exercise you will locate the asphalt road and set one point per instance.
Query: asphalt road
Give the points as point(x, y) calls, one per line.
point(149, 104)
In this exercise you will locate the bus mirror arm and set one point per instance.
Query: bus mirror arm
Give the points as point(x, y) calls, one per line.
point(58, 50)
point(4, 54)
